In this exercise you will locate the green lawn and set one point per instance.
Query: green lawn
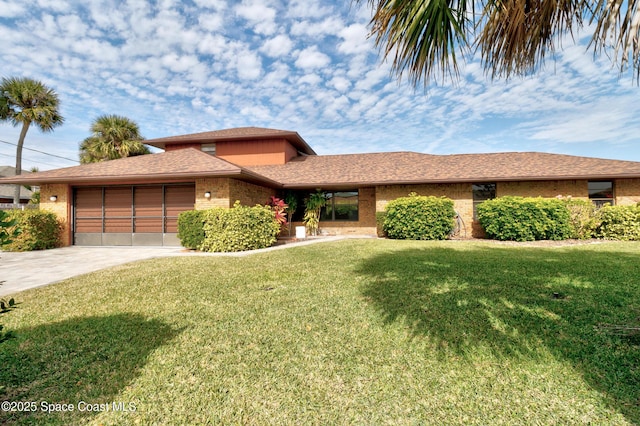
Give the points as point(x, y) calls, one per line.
point(353, 332)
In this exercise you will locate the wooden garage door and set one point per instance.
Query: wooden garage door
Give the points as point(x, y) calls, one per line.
point(130, 215)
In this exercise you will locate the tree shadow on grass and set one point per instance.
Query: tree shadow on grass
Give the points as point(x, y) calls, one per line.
point(515, 301)
point(82, 359)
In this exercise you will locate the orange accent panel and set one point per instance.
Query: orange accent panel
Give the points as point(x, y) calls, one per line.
point(256, 152)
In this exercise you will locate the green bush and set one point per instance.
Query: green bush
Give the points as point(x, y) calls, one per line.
point(191, 228)
point(240, 228)
point(380, 217)
point(619, 223)
point(583, 218)
point(525, 219)
point(419, 218)
point(7, 229)
point(38, 230)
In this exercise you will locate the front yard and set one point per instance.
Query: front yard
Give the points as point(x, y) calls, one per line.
point(352, 332)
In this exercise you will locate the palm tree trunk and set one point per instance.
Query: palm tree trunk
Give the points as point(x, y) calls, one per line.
point(23, 134)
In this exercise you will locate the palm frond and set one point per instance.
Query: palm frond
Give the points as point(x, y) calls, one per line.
point(422, 36)
point(618, 31)
point(516, 35)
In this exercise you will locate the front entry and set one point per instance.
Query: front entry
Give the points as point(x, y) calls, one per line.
point(132, 215)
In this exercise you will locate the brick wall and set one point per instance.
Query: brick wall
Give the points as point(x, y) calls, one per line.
point(249, 194)
point(546, 189)
point(61, 207)
point(219, 189)
point(627, 191)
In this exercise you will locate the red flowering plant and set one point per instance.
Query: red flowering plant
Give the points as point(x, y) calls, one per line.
point(279, 208)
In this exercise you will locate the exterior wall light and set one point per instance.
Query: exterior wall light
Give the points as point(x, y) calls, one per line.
point(53, 198)
point(207, 195)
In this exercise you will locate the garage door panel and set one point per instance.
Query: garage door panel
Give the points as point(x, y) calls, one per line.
point(138, 215)
point(89, 224)
point(179, 199)
point(117, 202)
point(118, 224)
point(144, 224)
point(148, 201)
point(89, 202)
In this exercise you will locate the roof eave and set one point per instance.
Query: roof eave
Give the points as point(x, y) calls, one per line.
point(321, 184)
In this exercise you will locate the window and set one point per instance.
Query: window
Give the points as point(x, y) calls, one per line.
point(209, 148)
point(601, 193)
point(481, 193)
point(342, 205)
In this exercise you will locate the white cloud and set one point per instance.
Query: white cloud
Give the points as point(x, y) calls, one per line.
point(329, 26)
point(54, 5)
point(311, 58)
point(278, 46)
point(11, 9)
point(179, 64)
point(249, 66)
point(261, 16)
point(355, 40)
point(307, 9)
point(211, 21)
point(341, 84)
point(212, 4)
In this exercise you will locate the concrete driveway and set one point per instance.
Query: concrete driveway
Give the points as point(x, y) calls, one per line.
point(22, 271)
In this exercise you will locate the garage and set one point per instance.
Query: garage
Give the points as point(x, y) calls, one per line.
point(130, 215)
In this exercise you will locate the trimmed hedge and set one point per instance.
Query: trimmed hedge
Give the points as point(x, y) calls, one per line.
point(191, 228)
point(619, 223)
point(239, 228)
point(38, 230)
point(419, 218)
point(525, 219)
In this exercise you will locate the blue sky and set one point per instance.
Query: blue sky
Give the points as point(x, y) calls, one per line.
point(178, 67)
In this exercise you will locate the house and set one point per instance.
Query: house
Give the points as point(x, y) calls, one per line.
point(136, 200)
point(7, 190)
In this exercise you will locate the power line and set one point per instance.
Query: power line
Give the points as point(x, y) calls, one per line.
point(41, 152)
point(30, 160)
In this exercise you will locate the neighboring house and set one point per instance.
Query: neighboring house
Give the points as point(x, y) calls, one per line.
point(6, 190)
point(136, 201)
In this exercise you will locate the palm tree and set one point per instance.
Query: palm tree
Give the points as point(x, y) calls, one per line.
point(425, 37)
point(26, 101)
point(113, 137)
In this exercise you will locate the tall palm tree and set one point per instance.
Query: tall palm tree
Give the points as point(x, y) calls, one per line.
point(113, 137)
point(26, 101)
point(425, 37)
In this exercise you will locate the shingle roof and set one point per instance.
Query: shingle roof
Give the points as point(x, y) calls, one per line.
point(345, 170)
point(6, 191)
point(412, 167)
point(172, 165)
point(248, 133)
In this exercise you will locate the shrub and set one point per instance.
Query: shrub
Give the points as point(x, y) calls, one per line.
point(619, 223)
point(7, 229)
point(419, 218)
point(380, 217)
point(240, 228)
point(583, 218)
point(191, 228)
point(39, 230)
point(525, 219)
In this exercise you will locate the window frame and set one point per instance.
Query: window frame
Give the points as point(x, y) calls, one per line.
point(601, 201)
point(479, 200)
point(331, 198)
